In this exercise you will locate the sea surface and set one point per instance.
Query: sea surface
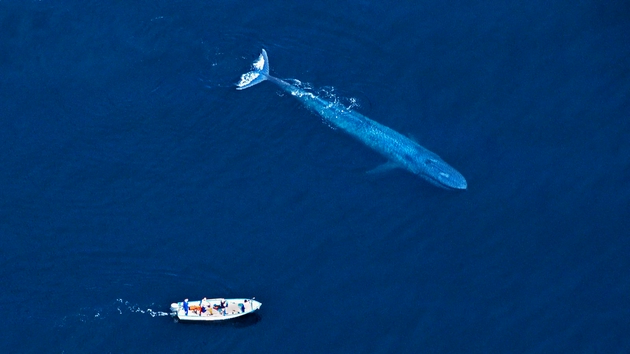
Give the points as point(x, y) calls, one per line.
point(135, 175)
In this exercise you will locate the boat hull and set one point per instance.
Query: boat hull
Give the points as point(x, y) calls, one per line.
point(214, 312)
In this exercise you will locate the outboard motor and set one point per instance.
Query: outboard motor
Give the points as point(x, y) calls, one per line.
point(174, 309)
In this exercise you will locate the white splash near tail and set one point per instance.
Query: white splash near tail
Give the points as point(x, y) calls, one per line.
point(258, 74)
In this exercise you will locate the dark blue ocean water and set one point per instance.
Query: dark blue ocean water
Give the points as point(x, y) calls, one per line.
point(134, 175)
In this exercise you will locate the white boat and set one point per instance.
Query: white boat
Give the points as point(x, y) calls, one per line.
point(218, 309)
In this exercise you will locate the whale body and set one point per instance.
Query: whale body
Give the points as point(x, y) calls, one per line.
point(400, 151)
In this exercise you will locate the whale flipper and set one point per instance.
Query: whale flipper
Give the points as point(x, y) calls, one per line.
point(258, 74)
point(387, 166)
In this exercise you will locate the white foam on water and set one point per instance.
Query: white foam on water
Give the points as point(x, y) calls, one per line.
point(259, 64)
point(247, 78)
point(119, 307)
point(137, 309)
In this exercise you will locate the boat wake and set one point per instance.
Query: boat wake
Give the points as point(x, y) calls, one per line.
point(129, 307)
point(119, 307)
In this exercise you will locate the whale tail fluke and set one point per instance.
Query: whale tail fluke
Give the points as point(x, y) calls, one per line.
point(259, 73)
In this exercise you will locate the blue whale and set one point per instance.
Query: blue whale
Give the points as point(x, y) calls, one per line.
point(400, 151)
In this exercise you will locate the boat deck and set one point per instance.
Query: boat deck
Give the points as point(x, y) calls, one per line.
point(234, 308)
point(231, 308)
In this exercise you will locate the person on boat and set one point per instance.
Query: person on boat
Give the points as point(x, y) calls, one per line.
point(223, 306)
point(203, 305)
point(186, 306)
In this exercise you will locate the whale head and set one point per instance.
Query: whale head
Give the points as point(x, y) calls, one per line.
point(431, 167)
point(442, 174)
